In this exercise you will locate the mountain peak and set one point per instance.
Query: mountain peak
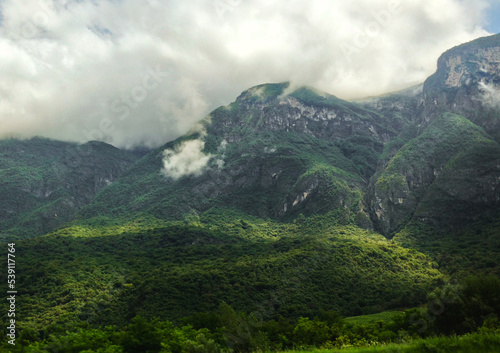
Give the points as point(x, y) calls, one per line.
point(467, 82)
point(264, 91)
point(467, 65)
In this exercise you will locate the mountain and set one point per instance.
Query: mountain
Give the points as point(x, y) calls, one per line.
point(466, 83)
point(379, 163)
point(427, 154)
point(269, 154)
point(44, 182)
point(448, 174)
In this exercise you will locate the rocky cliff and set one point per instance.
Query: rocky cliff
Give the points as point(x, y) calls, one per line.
point(437, 177)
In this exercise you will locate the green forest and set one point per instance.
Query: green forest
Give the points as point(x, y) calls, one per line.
point(224, 283)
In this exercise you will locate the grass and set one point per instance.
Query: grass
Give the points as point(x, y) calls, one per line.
point(471, 343)
point(385, 316)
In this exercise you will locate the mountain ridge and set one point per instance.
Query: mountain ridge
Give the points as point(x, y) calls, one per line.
point(279, 153)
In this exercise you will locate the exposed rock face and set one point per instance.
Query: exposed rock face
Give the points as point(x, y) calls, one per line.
point(407, 185)
point(304, 112)
point(467, 82)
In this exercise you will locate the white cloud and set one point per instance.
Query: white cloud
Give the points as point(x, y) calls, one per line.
point(187, 159)
point(490, 94)
point(81, 70)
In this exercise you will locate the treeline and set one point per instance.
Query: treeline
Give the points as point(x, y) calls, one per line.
point(471, 306)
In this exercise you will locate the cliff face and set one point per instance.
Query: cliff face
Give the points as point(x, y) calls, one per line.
point(467, 82)
point(437, 177)
point(318, 114)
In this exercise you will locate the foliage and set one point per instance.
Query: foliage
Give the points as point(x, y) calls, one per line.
point(459, 252)
point(459, 309)
point(44, 182)
point(239, 332)
point(90, 274)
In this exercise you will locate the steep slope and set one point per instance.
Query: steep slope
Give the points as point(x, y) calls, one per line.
point(467, 82)
point(44, 182)
point(405, 106)
point(268, 154)
point(443, 170)
point(432, 174)
point(467, 189)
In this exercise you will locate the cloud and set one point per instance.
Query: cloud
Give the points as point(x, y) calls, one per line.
point(490, 94)
point(186, 159)
point(142, 72)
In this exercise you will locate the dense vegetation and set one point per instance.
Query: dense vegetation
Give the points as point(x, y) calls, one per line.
point(445, 176)
point(452, 309)
point(109, 275)
point(44, 183)
point(221, 281)
point(473, 249)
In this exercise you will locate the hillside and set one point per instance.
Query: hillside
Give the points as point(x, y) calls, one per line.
point(44, 182)
point(267, 155)
point(174, 270)
point(446, 176)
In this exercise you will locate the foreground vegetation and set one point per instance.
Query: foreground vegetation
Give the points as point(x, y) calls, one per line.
point(222, 282)
point(108, 275)
point(472, 307)
point(186, 339)
point(471, 343)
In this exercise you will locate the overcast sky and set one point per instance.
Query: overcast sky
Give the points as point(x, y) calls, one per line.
point(141, 72)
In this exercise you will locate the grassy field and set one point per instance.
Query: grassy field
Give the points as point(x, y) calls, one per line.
point(472, 343)
point(385, 316)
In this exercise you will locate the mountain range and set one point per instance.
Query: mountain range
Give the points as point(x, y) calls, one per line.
point(428, 154)
point(371, 202)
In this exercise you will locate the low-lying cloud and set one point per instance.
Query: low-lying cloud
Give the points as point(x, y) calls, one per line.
point(137, 72)
point(490, 94)
point(185, 160)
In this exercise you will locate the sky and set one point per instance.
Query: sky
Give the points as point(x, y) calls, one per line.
point(143, 72)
